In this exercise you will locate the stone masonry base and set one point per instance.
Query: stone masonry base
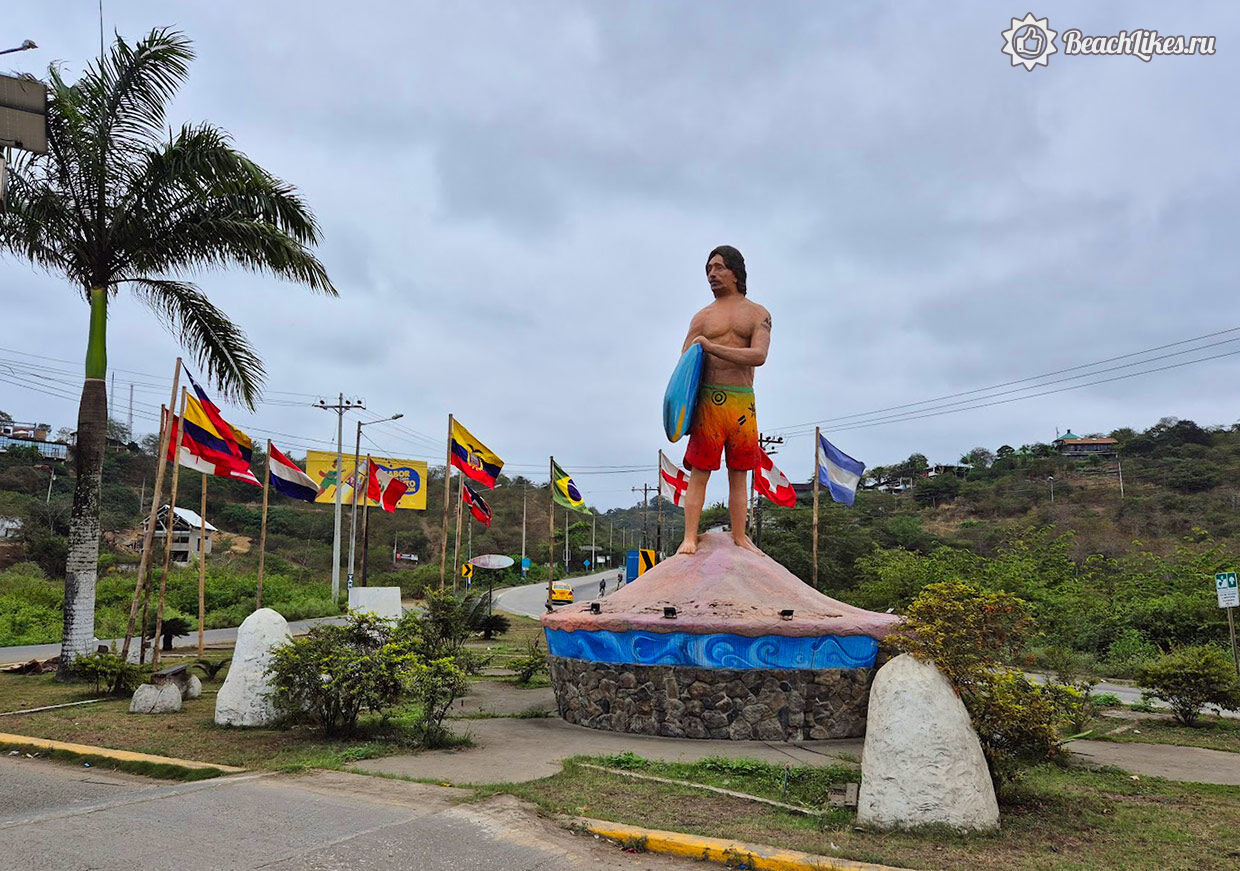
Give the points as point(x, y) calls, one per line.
point(691, 702)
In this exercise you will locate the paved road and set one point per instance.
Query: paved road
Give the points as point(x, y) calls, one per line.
point(1130, 694)
point(530, 600)
point(72, 819)
point(211, 636)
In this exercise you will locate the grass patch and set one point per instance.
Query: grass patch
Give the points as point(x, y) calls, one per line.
point(163, 770)
point(1055, 819)
point(193, 734)
point(1211, 732)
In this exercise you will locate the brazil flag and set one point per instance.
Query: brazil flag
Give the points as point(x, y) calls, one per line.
point(564, 491)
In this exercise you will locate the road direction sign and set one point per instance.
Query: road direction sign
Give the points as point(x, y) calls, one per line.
point(1228, 590)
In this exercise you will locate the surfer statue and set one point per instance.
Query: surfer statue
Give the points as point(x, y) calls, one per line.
point(735, 334)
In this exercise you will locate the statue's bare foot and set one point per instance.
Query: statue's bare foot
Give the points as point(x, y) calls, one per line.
point(745, 542)
point(687, 547)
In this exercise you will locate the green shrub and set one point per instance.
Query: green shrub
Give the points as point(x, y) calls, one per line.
point(110, 673)
point(1189, 678)
point(972, 635)
point(534, 661)
point(1105, 700)
point(436, 684)
point(964, 630)
point(335, 672)
point(1130, 650)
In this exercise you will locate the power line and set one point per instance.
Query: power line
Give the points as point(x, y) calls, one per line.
point(912, 405)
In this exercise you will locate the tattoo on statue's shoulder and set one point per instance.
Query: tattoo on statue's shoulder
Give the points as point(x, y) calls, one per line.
point(766, 322)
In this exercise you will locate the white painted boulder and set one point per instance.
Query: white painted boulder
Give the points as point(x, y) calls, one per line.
point(383, 601)
point(156, 699)
point(922, 762)
point(192, 688)
point(244, 700)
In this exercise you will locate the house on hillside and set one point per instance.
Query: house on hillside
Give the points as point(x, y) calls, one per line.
point(187, 540)
point(1071, 445)
point(49, 450)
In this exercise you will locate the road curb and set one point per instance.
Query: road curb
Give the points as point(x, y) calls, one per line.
point(720, 850)
point(23, 742)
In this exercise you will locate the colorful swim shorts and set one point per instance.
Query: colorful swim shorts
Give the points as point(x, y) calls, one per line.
point(724, 417)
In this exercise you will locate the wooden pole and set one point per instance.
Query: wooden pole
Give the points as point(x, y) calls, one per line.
point(262, 535)
point(365, 538)
point(817, 441)
point(357, 449)
point(658, 494)
point(169, 523)
point(161, 464)
point(202, 564)
point(443, 532)
point(456, 551)
point(551, 529)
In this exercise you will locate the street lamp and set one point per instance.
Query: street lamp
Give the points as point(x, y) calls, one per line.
point(25, 46)
point(1051, 480)
point(357, 450)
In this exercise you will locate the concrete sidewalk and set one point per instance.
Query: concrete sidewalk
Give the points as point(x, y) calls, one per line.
point(512, 750)
point(1191, 764)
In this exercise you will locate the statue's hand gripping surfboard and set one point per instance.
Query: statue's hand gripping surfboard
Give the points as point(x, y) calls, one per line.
point(681, 394)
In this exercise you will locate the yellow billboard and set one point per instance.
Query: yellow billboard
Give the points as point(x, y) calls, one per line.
point(321, 466)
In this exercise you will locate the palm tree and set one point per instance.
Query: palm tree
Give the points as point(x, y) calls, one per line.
point(119, 199)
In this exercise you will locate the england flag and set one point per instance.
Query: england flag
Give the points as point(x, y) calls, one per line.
point(673, 482)
point(838, 472)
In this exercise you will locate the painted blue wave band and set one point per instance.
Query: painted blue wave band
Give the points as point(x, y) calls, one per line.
point(719, 650)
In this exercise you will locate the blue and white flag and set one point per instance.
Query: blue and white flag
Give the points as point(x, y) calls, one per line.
point(838, 472)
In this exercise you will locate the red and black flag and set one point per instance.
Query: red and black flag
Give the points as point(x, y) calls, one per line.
point(477, 506)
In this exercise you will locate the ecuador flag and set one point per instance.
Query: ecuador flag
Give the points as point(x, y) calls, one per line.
point(473, 458)
point(564, 491)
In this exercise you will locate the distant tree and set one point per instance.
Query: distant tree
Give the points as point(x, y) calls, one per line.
point(1005, 451)
point(978, 458)
point(5, 418)
point(915, 463)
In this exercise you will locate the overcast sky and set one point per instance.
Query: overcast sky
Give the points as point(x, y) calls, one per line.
point(518, 199)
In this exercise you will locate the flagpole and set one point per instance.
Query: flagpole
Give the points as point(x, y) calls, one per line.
point(202, 563)
point(658, 535)
point(551, 529)
point(456, 551)
point(169, 523)
point(365, 514)
point(817, 441)
point(357, 448)
point(524, 493)
point(262, 535)
point(443, 531)
point(148, 537)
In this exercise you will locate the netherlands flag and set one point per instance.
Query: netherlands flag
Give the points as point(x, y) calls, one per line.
point(290, 480)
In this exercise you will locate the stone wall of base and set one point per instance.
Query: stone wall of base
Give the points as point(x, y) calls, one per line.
point(736, 704)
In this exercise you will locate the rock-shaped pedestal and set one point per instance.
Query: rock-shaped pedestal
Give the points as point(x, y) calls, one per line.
point(244, 700)
point(922, 762)
point(192, 688)
point(151, 699)
point(725, 643)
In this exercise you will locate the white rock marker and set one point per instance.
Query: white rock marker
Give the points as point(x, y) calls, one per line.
point(922, 762)
point(242, 700)
point(152, 699)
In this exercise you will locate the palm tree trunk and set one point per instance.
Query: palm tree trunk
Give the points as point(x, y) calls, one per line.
point(82, 566)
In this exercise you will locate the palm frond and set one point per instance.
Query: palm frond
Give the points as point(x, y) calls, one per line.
point(219, 345)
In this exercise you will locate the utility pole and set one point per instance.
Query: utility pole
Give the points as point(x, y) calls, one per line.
point(342, 405)
point(1120, 465)
point(524, 492)
point(1050, 479)
point(645, 491)
point(566, 565)
point(764, 442)
point(131, 411)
